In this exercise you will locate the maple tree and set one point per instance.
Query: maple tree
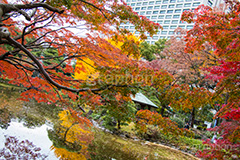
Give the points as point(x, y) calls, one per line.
point(47, 26)
point(164, 124)
point(220, 29)
point(187, 70)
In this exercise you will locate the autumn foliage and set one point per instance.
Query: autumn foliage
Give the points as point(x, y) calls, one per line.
point(220, 29)
point(146, 118)
point(56, 25)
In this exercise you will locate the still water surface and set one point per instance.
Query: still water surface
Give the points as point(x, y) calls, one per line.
point(37, 135)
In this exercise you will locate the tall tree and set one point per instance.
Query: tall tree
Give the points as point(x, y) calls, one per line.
point(220, 29)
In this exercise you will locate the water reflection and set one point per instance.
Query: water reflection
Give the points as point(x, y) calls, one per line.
point(16, 149)
point(71, 136)
point(38, 136)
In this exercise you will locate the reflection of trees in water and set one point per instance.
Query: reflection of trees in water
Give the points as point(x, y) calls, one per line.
point(5, 118)
point(29, 120)
point(15, 149)
point(71, 136)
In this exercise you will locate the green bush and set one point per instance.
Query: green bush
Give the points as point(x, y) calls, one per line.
point(179, 121)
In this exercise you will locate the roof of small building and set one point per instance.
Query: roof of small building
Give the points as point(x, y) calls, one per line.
point(139, 97)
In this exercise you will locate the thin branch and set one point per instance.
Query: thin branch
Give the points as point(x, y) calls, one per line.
point(34, 23)
point(101, 10)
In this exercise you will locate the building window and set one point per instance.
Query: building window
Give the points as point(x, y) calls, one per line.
point(174, 21)
point(165, 27)
point(167, 22)
point(137, 8)
point(161, 17)
point(176, 16)
point(173, 27)
point(183, 22)
point(139, 4)
point(180, 0)
point(168, 16)
point(156, 7)
point(179, 5)
point(126, 27)
point(165, 1)
point(158, 2)
point(162, 12)
point(187, 5)
point(155, 12)
point(164, 32)
point(132, 27)
point(155, 37)
point(154, 17)
point(188, 0)
point(186, 10)
point(144, 8)
point(161, 37)
point(148, 17)
point(149, 12)
point(171, 32)
point(164, 6)
point(150, 7)
point(170, 11)
point(196, 4)
point(145, 3)
point(133, 0)
point(151, 3)
point(128, 0)
point(182, 26)
point(171, 6)
point(160, 21)
point(142, 13)
point(209, 3)
point(190, 27)
point(172, 1)
point(178, 11)
point(133, 4)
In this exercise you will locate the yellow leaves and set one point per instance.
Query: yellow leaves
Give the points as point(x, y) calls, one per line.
point(85, 69)
point(128, 44)
point(64, 154)
point(71, 135)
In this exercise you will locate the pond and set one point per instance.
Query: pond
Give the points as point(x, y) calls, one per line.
point(40, 131)
point(104, 146)
point(37, 135)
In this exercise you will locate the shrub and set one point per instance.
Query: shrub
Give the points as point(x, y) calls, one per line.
point(179, 121)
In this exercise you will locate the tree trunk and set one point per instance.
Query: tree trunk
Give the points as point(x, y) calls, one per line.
point(118, 124)
point(162, 110)
point(192, 117)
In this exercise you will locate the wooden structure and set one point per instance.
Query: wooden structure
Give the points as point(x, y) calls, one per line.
point(143, 102)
